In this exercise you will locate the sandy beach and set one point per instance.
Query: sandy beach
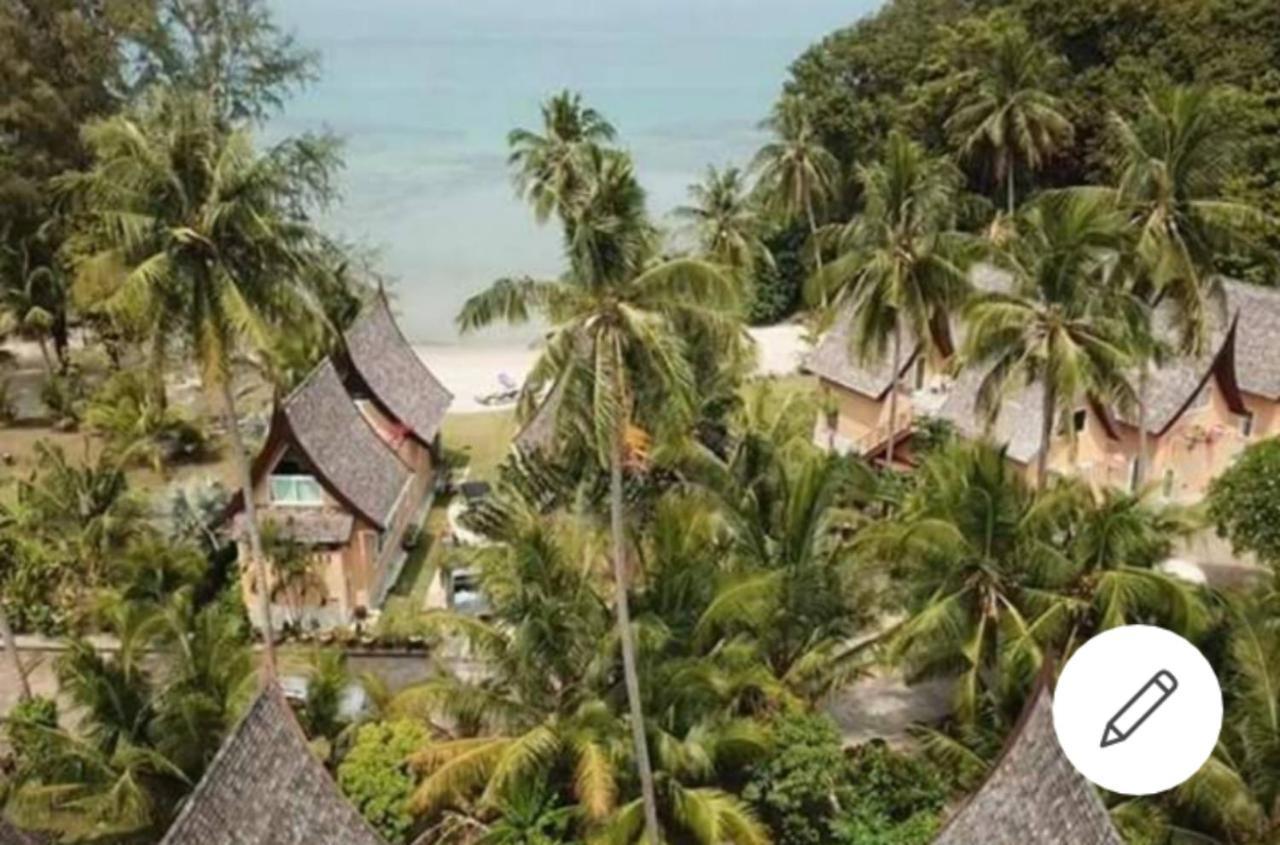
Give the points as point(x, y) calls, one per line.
point(472, 371)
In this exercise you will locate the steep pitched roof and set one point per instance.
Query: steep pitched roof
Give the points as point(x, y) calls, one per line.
point(1032, 796)
point(346, 453)
point(1017, 425)
point(265, 787)
point(1257, 337)
point(394, 373)
point(834, 359)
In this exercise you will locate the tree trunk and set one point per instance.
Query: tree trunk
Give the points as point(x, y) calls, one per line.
point(155, 370)
point(11, 646)
point(1009, 183)
point(620, 584)
point(813, 233)
point(44, 354)
point(1046, 436)
point(241, 460)
point(893, 395)
point(1140, 471)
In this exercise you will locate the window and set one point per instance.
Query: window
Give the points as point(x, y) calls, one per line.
point(1078, 420)
point(1246, 424)
point(1167, 487)
point(295, 490)
point(1133, 475)
point(920, 373)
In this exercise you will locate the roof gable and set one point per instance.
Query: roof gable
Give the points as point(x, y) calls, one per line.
point(349, 458)
point(1033, 796)
point(1257, 336)
point(394, 374)
point(265, 787)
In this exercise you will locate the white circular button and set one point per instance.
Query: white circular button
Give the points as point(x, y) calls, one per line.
point(1137, 710)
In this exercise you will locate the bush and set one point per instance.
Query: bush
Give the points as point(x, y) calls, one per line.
point(64, 396)
point(27, 729)
point(131, 417)
point(376, 778)
point(799, 790)
point(810, 791)
point(1244, 502)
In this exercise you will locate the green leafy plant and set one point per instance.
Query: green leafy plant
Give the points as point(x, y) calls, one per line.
point(375, 776)
point(1244, 502)
point(128, 413)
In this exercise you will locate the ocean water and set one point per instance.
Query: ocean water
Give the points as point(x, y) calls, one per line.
point(423, 92)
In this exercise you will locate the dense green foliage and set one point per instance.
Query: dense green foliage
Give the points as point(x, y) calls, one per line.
point(374, 774)
point(1244, 502)
point(811, 791)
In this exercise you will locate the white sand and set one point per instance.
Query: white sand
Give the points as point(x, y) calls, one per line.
point(472, 371)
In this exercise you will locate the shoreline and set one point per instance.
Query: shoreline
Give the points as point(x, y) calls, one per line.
point(469, 371)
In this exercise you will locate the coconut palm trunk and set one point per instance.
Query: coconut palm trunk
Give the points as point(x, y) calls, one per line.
point(1140, 472)
point(1049, 406)
point(240, 458)
point(631, 676)
point(813, 231)
point(1010, 186)
point(894, 384)
point(11, 646)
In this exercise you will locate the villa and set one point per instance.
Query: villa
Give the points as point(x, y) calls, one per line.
point(348, 469)
point(1200, 412)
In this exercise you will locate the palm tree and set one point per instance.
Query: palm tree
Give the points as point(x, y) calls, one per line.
point(614, 340)
point(725, 221)
point(1235, 796)
point(31, 299)
point(900, 270)
point(1172, 168)
point(548, 165)
point(796, 175)
point(1062, 327)
point(994, 574)
point(192, 234)
point(1008, 118)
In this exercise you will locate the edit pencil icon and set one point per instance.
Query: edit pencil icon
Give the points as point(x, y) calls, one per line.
point(1145, 702)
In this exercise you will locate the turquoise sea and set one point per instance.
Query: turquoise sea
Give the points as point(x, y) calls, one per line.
point(424, 91)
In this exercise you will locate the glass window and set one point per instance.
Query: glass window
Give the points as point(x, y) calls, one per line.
point(295, 490)
point(1246, 424)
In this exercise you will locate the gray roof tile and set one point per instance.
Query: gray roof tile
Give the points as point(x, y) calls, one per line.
point(1033, 796)
point(311, 526)
point(266, 788)
point(1257, 337)
point(343, 447)
point(393, 371)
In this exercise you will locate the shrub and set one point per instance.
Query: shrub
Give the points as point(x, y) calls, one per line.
point(376, 778)
point(801, 788)
point(810, 791)
point(775, 294)
point(27, 729)
point(64, 396)
point(126, 411)
point(1244, 502)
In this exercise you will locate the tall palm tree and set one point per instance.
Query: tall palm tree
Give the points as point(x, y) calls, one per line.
point(1062, 326)
point(1235, 796)
point(900, 269)
point(796, 175)
point(192, 234)
point(1173, 163)
point(547, 165)
point(614, 341)
point(993, 574)
point(1009, 118)
point(725, 221)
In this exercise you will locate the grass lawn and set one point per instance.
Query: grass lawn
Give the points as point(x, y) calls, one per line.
point(404, 603)
point(481, 440)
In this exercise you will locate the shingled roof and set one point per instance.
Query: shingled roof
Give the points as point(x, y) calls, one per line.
point(1257, 337)
point(1032, 796)
point(345, 452)
point(400, 383)
point(1017, 425)
point(265, 787)
point(834, 360)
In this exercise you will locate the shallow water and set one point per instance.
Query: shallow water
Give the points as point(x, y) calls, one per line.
point(424, 92)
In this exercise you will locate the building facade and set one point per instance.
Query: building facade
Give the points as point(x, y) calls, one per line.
point(347, 472)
